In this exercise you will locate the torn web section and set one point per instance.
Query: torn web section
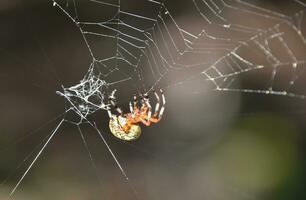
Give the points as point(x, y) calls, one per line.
point(273, 63)
point(270, 62)
point(260, 49)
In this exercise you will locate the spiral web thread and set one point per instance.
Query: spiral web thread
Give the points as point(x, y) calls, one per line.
point(147, 50)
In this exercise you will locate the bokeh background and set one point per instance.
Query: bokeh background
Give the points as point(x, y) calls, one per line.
point(210, 145)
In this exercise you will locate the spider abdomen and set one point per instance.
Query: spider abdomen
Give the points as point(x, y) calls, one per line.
point(116, 124)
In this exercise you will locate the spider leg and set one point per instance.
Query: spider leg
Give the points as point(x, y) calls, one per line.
point(131, 108)
point(145, 111)
point(146, 122)
point(157, 104)
point(156, 118)
point(109, 112)
point(161, 112)
point(113, 94)
point(135, 102)
point(147, 102)
point(112, 100)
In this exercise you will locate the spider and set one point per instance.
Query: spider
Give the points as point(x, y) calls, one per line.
point(125, 126)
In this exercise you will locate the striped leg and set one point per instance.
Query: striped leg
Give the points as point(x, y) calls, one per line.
point(161, 112)
point(135, 102)
point(134, 105)
point(147, 102)
point(131, 108)
point(157, 116)
point(112, 100)
point(109, 112)
point(157, 104)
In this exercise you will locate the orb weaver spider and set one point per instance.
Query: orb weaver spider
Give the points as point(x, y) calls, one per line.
point(125, 126)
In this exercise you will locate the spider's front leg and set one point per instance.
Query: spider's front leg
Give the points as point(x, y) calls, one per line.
point(119, 120)
point(112, 100)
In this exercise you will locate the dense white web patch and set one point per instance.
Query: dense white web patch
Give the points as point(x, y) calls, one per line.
point(88, 96)
point(233, 39)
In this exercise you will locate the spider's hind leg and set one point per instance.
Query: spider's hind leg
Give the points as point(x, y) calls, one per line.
point(161, 112)
point(147, 102)
point(158, 113)
point(157, 104)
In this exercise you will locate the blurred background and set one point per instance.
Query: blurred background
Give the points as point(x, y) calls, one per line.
point(213, 145)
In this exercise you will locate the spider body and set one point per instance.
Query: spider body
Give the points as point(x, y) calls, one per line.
point(126, 126)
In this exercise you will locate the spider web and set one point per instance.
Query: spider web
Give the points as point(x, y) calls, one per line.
point(149, 51)
point(152, 49)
